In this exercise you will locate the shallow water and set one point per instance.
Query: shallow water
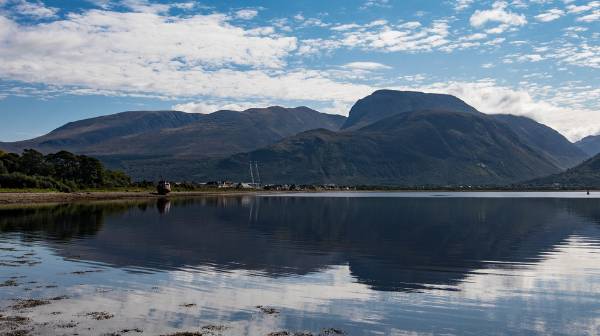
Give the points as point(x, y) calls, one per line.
point(362, 263)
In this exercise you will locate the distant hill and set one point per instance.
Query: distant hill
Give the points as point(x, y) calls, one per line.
point(150, 143)
point(385, 103)
point(545, 140)
point(590, 144)
point(83, 135)
point(412, 148)
point(585, 175)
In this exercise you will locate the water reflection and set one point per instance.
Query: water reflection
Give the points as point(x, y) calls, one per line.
point(163, 205)
point(424, 250)
point(389, 244)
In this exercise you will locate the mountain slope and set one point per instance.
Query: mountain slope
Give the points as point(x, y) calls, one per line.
point(585, 175)
point(78, 136)
point(553, 145)
point(385, 103)
point(149, 143)
point(390, 137)
point(590, 144)
point(413, 148)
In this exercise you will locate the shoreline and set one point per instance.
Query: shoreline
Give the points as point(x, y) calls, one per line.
point(26, 198)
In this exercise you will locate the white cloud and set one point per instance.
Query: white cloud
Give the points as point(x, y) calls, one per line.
point(210, 107)
point(150, 53)
point(474, 37)
point(531, 58)
point(397, 38)
point(35, 9)
point(498, 14)
point(366, 66)
point(184, 5)
point(413, 78)
point(246, 14)
point(318, 46)
point(346, 26)
point(550, 15)
point(338, 107)
point(583, 55)
point(144, 6)
point(594, 16)
point(119, 42)
point(146, 53)
point(376, 3)
point(489, 97)
point(379, 35)
point(410, 25)
point(314, 22)
point(463, 4)
point(580, 55)
point(583, 8)
point(576, 29)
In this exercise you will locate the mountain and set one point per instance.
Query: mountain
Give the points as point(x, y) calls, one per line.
point(412, 148)
point(585, 175)
point(385, 103)
point(150, 143)
point(589, 144)
point(545, 140)
point(80, 136)
point(389, 138)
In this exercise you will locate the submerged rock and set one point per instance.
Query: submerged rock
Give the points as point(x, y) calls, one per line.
point(99, 316)
point(28, 303)
point(331, 332)
point(9, 283)
point(268, 310)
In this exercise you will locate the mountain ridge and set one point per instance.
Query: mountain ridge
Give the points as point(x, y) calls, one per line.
point(414, 148)
point(168, 132)
point(553, 145)
point(590, 144)
point(585, 175)
point(387, 138)
point(384, 103)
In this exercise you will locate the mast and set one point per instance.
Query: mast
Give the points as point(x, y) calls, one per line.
point(257, 173)
point(251, 174)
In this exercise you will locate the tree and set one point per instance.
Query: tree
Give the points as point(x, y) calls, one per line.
point(11, 162)
point(62, 171)
point(33, 162)
point(65, 165)
point(90, 172)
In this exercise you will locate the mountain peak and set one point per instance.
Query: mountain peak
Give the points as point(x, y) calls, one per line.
point(590, 144)
point(385, 103)
point(276, 108)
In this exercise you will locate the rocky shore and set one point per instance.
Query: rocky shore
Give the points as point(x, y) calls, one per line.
point(24, 198)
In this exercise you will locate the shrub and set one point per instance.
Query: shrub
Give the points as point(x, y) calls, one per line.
point(63, 171)
point(22, 181)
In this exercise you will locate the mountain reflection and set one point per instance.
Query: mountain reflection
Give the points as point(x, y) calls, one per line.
point(388, 243)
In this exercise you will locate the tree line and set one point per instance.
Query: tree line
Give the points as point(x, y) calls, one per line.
point(63, 171)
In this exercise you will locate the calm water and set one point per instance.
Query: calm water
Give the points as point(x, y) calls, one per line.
point(366, 264)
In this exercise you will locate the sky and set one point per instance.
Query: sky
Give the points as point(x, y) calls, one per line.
point(65, 60)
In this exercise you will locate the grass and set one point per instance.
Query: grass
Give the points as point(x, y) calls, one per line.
point(34, 190)
point(26, 190)
point(118, 189)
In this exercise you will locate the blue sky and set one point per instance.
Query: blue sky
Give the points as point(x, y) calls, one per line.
point(66, 60)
